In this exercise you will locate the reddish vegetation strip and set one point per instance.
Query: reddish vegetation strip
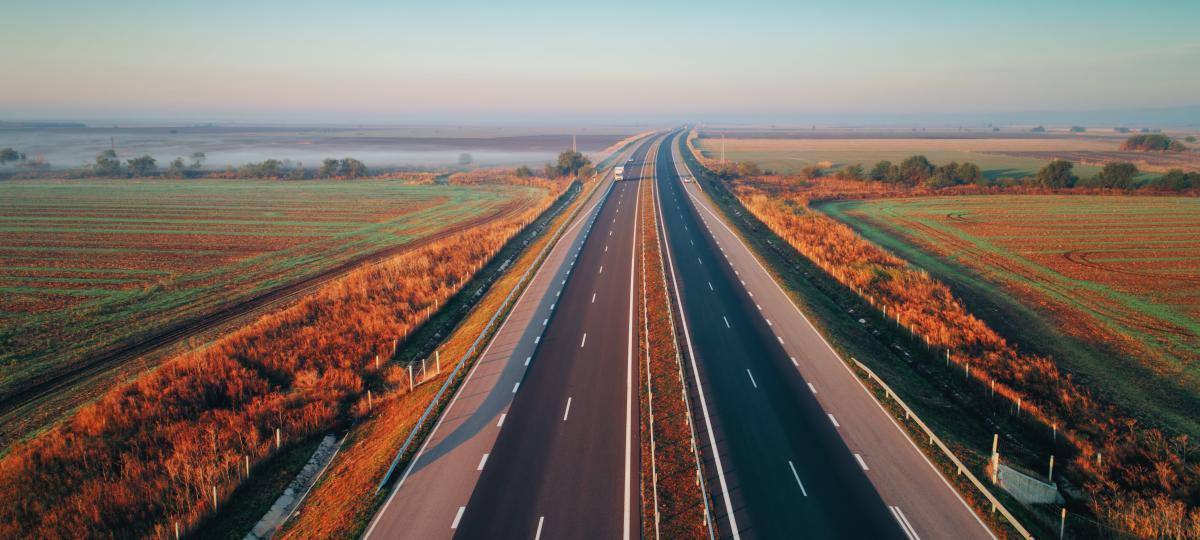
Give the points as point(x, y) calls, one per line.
point(150, 453)
point(669, 461)
point(1141, 472)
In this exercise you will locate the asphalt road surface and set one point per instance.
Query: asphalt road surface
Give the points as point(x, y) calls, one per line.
point(432, 497)
point(798, 447)
point(566, 462)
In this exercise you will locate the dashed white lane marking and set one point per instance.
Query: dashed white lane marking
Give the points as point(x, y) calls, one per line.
point(538, 534)
point(537, 340)
point(726, 322)
point(699, 261)
point(758, 306)
point(861, 463)
point(568, 411)
point(780, 340)
point(584, 341)
point(834, 420)
point(515, 387)
point(545, 322)
point(743, 282)
point(458, 517)
point(527, 359)
point(812, 388)
point(601, 269)
point(481, 462)
point(710, 287)
point(769, 323)
point(593, 298)
point(552, 306)
point(752, 381)
point(606, 249)
point(794, 362)
point(500, 422)
point(907, 527)
point(797, 477)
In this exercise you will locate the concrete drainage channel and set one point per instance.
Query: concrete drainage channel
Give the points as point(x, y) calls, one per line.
point(297, 490)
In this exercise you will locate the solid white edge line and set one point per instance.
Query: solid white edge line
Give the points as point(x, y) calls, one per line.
point(628, 506)
point(697, 203)
point(712, 438)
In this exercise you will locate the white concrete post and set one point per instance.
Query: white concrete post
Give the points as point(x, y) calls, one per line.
point(247, 458)
point(410, 379)
point(437, 357)
point(377, 362)
point(214, 489)
point(1062, 524)
point(370, 402)
point(1050, 475)
point(278, 438)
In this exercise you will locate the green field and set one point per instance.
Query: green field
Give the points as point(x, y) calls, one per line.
point(789, 156)
point(90, 265)
point(1107, 286)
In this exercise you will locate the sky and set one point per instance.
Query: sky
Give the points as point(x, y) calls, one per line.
point(522, 61)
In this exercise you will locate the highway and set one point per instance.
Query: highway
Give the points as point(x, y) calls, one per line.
point(794, 445)
point(565, 464)
point(531, 426)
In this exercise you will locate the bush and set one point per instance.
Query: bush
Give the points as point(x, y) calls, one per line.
point(1118, 175)
point(915, 169)
point(1056, 174)
point(1152, 143)
point(850, 172)
point(1176, 180)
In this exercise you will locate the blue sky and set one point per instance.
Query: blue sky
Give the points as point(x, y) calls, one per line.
point(397, 62)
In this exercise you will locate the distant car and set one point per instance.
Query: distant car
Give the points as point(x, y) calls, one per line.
point(687, 179)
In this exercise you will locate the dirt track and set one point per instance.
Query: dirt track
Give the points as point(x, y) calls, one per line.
point(21, 412)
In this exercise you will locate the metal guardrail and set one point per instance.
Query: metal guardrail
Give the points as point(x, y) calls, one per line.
point(419, 426)
point(909, 414)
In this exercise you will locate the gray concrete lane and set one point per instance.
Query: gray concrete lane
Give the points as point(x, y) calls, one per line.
point(913, 491)
point(428, 499)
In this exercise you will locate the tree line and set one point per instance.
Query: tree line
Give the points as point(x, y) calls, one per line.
point(570, 164)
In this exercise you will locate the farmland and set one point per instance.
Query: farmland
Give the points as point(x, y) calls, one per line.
point(92, 266)
point(1119, 275)
point(998, 157)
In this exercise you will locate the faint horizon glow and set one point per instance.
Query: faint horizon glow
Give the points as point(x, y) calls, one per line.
point(621, 61)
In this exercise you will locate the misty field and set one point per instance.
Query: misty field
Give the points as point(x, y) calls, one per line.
point(790, 155)
point(1119, 275)
point(91, 265)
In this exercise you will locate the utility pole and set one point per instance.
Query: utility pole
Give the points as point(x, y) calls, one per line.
point(574, 147)
point(722, 148)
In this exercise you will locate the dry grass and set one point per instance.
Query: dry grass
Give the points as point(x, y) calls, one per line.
point(329, 512)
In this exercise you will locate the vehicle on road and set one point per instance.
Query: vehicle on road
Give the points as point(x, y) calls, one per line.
point(619, 172)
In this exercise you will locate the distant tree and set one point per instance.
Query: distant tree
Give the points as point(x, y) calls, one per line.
point(35, 165)
point(880, 171)
point(523, 172)
point(968, 173)
point(1121, 129)
point(8, 155)
point(1078, 129)
point(1039, 129)
point(107, 164)
point(142, 166)
point(851, 172)
point(915, 169)
point(352, 168)
point(811, 171)
point(749, 168)
point(570, 164)
point(1189, 138)
point(995, 129)
point(940, 178)
point(1056, 174)
point(1117, 175)
point(464, 159)
point(197, 161)
point(1152, 143)
point(329, 168)
point(177, 169)
point(1176, 180)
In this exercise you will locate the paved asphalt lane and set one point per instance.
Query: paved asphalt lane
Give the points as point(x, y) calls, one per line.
point(805, 449)
point(565, 462)
point(788, 472)
point(431, 494)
